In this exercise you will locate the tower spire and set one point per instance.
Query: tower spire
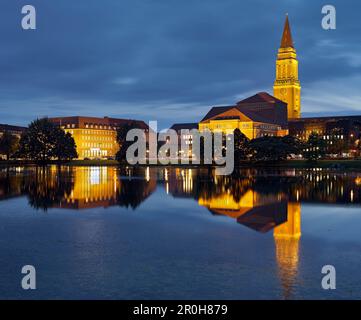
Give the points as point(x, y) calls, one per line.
point(287, 86)
point(287, 41)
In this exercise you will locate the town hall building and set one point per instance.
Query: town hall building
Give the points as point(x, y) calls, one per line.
point(265, 115)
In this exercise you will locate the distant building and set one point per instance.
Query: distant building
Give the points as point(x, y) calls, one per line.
point(256, 116)
point(186, 137)
point(345, 129)
point(184, 126)
point(95, 137)
point(15, 130)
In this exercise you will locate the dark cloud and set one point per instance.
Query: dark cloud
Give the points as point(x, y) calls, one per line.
point(169, 60)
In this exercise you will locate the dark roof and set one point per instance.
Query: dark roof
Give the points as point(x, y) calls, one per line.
point(254, 116)
point(265, 217)
point(329, 118)
point(180, 126)
point(7, 127)
point(287, 41)
point(81, 121)
point(260, 97)
point(216, 110)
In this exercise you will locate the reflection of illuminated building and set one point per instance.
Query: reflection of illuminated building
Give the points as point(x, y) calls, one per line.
point(93, 187)
point(266, 217)
point(179, 182)
point(292, 228)
point(319, 185)
point(258, 212)
point(101, 187)
point(10, 185)
point(287, 238)
point(225, 204)
point(79, 187)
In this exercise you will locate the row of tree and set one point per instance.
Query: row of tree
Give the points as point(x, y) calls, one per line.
point(41, 141)
point(270, 148)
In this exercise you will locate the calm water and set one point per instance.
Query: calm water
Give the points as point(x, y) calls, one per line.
point(109, 233)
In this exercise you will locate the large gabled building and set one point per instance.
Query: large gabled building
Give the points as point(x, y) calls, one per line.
point(256, 116)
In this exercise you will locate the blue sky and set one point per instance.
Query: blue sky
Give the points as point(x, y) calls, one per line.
point(170, 60)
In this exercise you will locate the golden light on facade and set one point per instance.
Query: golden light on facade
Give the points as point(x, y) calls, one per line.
point(147, 174)
point(286, 237)
point(287, 85)
point(358, 181)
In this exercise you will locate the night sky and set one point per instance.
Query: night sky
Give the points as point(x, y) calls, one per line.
point(171, 60)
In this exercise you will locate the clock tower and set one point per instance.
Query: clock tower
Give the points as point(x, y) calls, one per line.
point(287, 86)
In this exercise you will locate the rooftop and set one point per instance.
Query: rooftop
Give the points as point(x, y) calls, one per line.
point(5, 127)
point(180, 126)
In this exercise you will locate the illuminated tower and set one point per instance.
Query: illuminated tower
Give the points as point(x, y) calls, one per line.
point(287, 86)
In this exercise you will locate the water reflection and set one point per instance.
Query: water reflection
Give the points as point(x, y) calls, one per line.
point(287, 237)
point(261, 200)
point(76, 188)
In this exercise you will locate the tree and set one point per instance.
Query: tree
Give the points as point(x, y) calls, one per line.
point(271, 148)
point(315, 148)
point(122, 139)
point(43, 141)
point(9, 144)
point(241, 149)
point(65, 147)
point(295, 145)
point(46, 188)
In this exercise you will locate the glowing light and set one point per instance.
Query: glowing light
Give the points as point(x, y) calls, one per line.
point(147, 175)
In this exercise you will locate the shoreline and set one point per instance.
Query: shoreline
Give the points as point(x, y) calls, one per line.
point(289, 164)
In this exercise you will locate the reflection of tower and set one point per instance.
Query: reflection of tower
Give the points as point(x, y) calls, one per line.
point(287, 86)
point(287, 238)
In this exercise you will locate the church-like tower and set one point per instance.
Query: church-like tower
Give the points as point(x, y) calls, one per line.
point(287, 86)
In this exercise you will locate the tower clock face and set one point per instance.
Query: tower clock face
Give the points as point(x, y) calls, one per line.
point(283, 91)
